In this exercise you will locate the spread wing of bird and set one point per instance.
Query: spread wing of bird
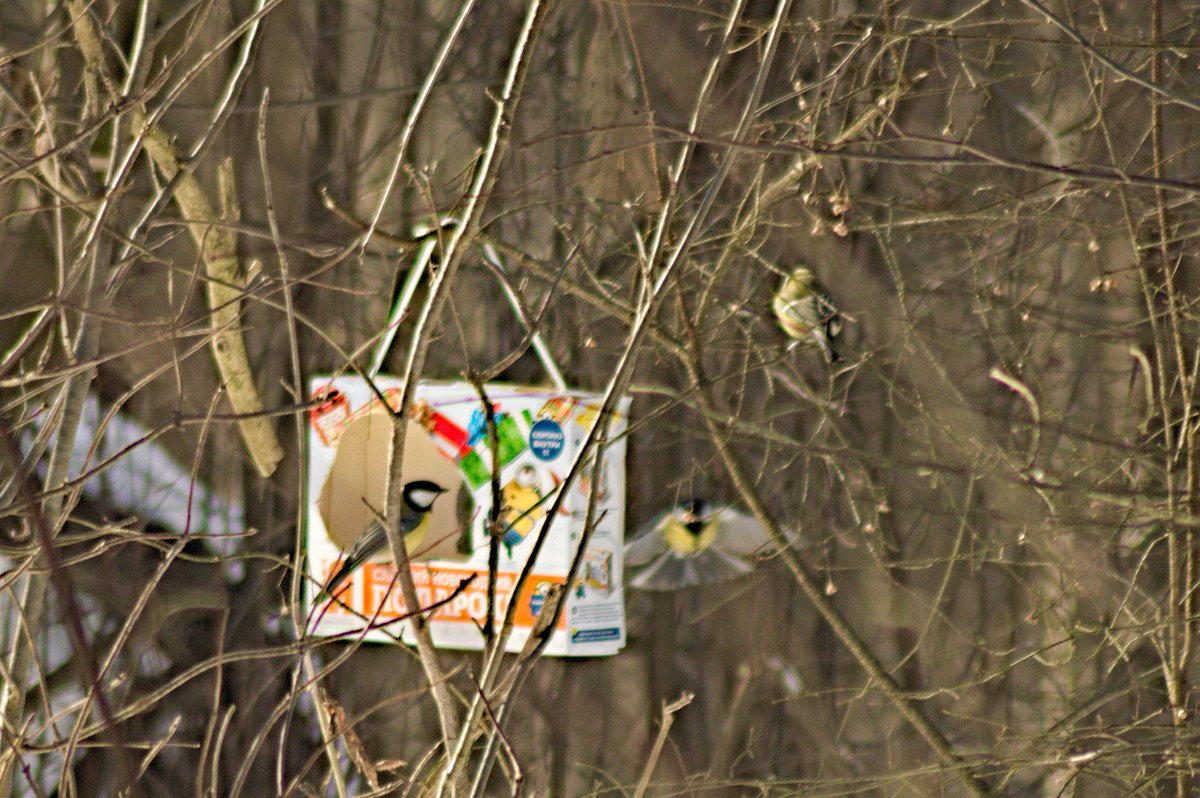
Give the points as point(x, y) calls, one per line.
point(740, 533)
point(672, 572)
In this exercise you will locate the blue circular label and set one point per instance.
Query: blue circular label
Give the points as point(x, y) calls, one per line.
point(546, 439)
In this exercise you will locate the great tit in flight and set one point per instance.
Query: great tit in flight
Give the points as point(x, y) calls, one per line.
point(694, 543)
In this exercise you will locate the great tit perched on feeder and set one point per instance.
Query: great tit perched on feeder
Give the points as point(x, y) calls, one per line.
point(419, 496)
point(807, 313)
point(694, 543)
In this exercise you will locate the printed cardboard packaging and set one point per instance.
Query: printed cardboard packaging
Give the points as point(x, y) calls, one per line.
point(539, 431)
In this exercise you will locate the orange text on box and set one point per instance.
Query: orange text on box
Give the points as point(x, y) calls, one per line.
point(373, 592)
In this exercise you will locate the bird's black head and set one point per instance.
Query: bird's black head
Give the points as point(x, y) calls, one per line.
point(420, 493)
point(693, 513)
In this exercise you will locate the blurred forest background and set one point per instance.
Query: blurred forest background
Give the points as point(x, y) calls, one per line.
point(992, 502)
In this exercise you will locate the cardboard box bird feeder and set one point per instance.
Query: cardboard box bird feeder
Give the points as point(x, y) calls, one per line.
point(539, 432)
point(539, 435)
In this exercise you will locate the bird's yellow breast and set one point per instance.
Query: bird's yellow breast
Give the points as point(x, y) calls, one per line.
point(414, 537)
point(681, 539)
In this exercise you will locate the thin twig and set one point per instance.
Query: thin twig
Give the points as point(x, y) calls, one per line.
point(666, 720)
